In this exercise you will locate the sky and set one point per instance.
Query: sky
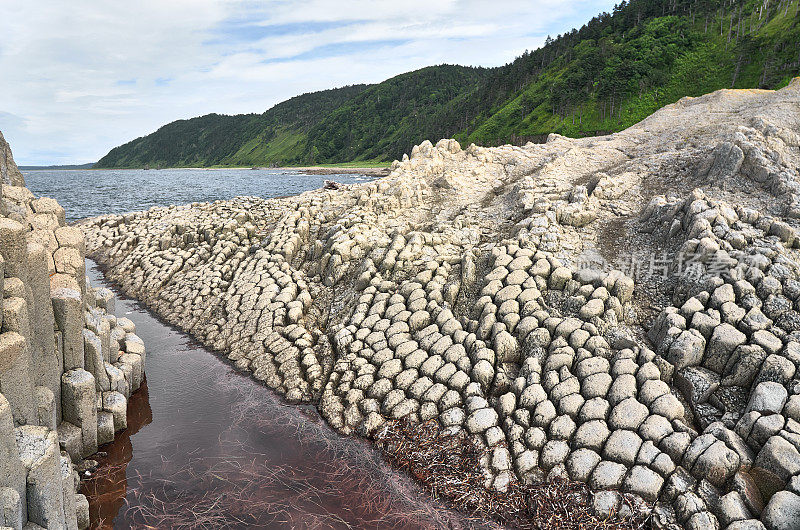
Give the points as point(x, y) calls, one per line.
point(78, 78)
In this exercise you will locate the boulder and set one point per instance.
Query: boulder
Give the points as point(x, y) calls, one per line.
point(717, 464)
point(776, 462)
point(724, 340)
point(767, 398)
point(697, 383)
point(782, 512)
point(687, 349)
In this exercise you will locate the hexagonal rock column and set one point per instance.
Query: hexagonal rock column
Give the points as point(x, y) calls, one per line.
point(68, 492)
point(12, 474)
point(10, 509)
point(13, 247)
point(93, 360)
point(15, 378)
point(79, 405)
point(38, 448)
point(46, 367)
point(68, 309)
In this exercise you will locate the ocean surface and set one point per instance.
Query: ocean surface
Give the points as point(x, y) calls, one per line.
point(91, 192)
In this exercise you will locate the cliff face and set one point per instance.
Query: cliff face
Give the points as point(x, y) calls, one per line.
point(9, 173)
point(67, 364)
point(621, 310)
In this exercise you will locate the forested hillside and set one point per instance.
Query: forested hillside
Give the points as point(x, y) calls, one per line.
point(352, 123)
point(241, 140)
point(614, 71)
point(621, 67)
point(386, 119)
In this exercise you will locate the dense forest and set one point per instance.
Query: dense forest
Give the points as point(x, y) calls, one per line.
point(244, 139)
point(609, 74)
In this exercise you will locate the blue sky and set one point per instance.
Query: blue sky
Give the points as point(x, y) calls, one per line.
point(78, 78)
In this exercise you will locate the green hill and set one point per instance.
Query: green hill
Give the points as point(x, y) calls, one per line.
point(360, 122)
point(387, 119)
point(241, 140)
point(621, 67)
point(611, 73)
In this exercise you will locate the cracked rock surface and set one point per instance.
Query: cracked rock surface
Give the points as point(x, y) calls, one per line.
point(620, 310)
point(67, 364)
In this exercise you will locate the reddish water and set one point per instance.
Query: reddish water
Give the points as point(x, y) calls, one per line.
point(207, 447)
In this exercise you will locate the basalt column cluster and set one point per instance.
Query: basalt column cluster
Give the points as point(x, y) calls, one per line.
point(67, 364)
point(622, 311)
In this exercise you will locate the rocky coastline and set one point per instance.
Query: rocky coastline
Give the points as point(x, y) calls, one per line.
point(67, 364)
point(622, 311)
point(320, 170)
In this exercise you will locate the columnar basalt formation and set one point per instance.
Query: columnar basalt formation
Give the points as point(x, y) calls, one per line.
point(67, 364)
point(621, 310)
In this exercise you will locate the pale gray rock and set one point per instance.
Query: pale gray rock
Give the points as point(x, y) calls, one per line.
point(782, 512)
point(622, 446)
point(591, 435)
point(643, 482)
point(606, 503)
point(779, 458)
point(555, 452)
point(481, 419)
point(687, 349)
point(724, 340)
point(767, 398)
point(716, 464)
point(581, 463)
point(607, 475)
point(732, 508)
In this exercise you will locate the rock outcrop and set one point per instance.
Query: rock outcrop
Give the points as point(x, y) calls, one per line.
point(621, 310)
point(9, 172)
point(67, 364)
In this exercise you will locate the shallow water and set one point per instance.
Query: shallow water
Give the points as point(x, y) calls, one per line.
point(207, 447)
point(87, 193)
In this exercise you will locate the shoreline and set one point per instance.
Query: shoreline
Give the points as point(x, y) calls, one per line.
point(455, 294)
point(311, 170)
point(226, 400)
point(447, 468)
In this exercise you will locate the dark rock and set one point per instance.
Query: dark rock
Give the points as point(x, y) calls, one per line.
point(696, 383)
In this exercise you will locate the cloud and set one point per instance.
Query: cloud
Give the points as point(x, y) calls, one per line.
point(79, 78)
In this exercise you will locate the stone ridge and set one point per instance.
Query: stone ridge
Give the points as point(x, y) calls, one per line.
point(620, 310)
point(67, 364)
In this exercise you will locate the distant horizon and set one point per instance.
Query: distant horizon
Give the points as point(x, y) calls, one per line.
point(54, 166)
point(79, 81)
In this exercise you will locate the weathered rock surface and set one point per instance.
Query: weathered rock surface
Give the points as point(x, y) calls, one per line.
point(622, 310)
point(65, 363)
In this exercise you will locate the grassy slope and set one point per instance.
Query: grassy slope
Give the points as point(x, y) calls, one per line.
point(275, 136)
point(697, 62)
point(365, 124)
point(283, 144)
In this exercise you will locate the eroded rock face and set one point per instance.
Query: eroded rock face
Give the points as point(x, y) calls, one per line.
point(66, 367)
point(9, 172)
point(621, 310)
